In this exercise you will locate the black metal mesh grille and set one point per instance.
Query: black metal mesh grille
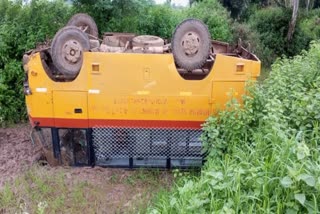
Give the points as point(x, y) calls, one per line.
point(146, 143)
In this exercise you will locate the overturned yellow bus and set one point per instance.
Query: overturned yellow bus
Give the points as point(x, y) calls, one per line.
point(127, 100)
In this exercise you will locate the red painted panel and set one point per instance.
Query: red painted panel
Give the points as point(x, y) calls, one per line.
point(84, 123)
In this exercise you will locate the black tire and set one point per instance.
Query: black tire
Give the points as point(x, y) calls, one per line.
point(83, 20)
point(196, 33)
point(67, 49)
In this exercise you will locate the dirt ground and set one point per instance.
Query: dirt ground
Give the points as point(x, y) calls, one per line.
point(115, 189)
point(16, 152)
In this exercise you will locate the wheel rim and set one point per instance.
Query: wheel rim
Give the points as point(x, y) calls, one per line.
point(190, 43)
point(72, 51)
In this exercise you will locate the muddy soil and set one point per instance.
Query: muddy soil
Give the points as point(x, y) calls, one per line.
point(16, 152)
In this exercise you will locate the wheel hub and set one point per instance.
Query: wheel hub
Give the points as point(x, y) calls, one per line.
point(72, 51)
point(190, 43)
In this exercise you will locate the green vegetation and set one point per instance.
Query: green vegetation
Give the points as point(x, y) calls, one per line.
point(310, 25)
point(215, 16)
point(144, 17)
point(264, 156)
point(21, 28)
point(270, 26)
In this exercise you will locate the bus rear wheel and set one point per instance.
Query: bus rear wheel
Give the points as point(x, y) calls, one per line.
point(67, 49)
point(191, 44)
point(85, 23)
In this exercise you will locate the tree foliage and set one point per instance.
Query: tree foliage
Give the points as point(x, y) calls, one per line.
point(21, 28)
point(215, 16)
point(144, 17)
point(237, 7)
point(270, 29)
point(160, 20)
point(114, 15)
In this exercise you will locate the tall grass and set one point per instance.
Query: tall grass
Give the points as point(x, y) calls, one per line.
point(265, 155)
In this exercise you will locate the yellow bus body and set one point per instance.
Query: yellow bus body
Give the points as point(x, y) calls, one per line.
point(134, 90)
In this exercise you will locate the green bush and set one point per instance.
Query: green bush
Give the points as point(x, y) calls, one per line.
point(310, 24)
point(160, 20)
point(21, 28)
point(264, 154)
point(145, 17)
point(12, 106)
point(215, 16)
point(272, 24)
point(116, 15)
